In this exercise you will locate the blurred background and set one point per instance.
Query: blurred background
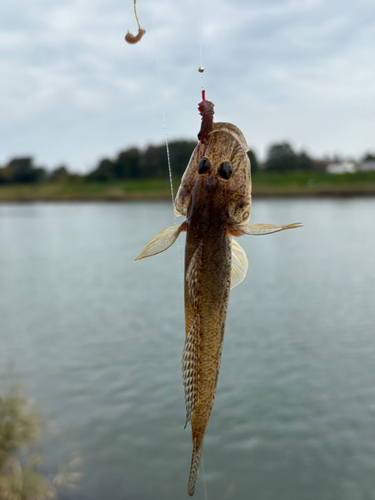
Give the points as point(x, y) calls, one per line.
point(92, 405)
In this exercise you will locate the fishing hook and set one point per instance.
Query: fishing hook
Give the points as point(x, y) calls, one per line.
point(131, 38)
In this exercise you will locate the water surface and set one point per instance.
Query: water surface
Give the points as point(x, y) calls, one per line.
point(98, 343)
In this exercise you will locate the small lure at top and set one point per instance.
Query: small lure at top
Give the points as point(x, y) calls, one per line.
point(131, 38)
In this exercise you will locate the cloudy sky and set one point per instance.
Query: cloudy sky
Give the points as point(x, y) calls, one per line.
point(72, 91)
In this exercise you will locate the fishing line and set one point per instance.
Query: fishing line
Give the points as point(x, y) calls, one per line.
point(201, 67)
point(161, 93)
point(204, 480)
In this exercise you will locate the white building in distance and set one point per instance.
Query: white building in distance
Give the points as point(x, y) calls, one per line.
point(345, 167)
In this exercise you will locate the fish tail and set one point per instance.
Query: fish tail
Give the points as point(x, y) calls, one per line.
point(194, 470)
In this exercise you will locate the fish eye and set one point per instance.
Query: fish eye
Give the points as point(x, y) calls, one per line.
point(204, 166)
point(225, 170)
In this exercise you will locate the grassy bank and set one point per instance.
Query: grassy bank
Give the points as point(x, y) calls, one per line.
point(287, 184)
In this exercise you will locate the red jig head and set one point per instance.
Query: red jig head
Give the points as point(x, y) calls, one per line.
point(206, 110)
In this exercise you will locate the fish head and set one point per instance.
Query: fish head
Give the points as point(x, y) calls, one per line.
point(223, 161)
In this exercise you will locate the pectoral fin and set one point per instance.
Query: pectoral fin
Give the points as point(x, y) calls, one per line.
point(192, 276)
point(162, 241)
point(239, 264)
point(259, 229)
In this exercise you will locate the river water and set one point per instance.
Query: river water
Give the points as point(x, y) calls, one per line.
point(97, 342)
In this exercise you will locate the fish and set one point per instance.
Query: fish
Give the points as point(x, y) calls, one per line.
point(215, 199)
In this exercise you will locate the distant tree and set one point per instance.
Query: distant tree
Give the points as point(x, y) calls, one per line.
point(127, 164)
point(180, 153)
point(281, 158)
point(303, 161)
point(22, 170)
point(154, 163)
point(3, 175)
point(60, 174)
point(104, 172)
point(154, 160)
point(253, 161)
point(369, 157)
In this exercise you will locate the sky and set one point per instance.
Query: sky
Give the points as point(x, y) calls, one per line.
point(72, 91)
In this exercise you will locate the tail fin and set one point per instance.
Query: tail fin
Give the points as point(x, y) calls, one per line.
point(194, 469)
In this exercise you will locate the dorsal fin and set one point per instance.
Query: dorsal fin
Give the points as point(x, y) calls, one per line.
point(192, 276)
point(190, 358)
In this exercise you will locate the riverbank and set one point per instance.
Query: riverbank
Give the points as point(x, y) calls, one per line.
point(278, 185)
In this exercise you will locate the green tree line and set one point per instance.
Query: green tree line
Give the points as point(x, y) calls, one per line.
point(151, 163)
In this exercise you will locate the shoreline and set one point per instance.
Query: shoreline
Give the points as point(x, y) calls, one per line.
point(162, 198)
point(287, 185)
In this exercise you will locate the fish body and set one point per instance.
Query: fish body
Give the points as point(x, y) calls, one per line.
point(209, 200)
point(205, 307)
point(215, 198)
